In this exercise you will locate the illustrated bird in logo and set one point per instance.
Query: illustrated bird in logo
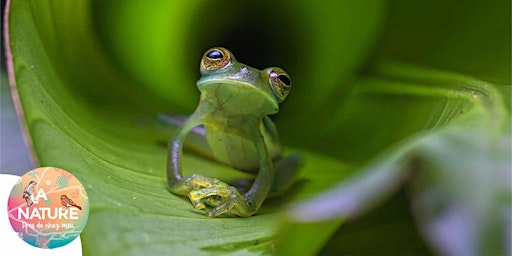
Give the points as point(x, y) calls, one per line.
point(28, 191)
point(67, 202)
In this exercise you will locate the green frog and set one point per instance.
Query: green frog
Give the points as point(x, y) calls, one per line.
point(233, 111)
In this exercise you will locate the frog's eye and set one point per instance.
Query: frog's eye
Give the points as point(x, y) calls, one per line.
point(280, 82)
point(215, 59)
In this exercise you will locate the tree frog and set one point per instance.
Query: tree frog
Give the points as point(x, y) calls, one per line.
point(233, 110)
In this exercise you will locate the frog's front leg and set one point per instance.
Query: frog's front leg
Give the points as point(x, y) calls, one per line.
point(225, 198)
point(201, 190)
point(178, 184)
point(206, 191)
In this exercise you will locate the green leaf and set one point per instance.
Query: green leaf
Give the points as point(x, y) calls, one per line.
point(86, 114)
point(93, 75)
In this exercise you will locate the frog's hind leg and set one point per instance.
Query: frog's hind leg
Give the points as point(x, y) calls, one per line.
point(287, 169)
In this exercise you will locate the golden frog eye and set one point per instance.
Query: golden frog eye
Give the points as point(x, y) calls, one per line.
point(280, 82)
point(215, 59)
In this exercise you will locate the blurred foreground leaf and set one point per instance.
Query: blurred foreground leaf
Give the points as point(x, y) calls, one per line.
point(459, 172)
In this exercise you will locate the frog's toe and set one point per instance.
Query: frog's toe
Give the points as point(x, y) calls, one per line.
point(219, 210)
point(223, 199)
point(198, 204)
point(197, 181)
point(200, 199)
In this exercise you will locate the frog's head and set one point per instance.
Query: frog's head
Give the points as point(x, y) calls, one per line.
point(239, 89)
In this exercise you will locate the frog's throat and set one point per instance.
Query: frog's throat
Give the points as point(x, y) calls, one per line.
point(238, 97)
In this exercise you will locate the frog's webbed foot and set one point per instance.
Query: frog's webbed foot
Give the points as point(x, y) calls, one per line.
point(210, 192)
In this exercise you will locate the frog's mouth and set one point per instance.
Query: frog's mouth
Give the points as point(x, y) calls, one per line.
point(236, 97)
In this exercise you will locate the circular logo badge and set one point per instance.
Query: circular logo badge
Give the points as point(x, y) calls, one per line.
point(48, 207)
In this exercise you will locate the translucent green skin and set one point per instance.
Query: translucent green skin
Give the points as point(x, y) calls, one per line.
point(234, 107)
